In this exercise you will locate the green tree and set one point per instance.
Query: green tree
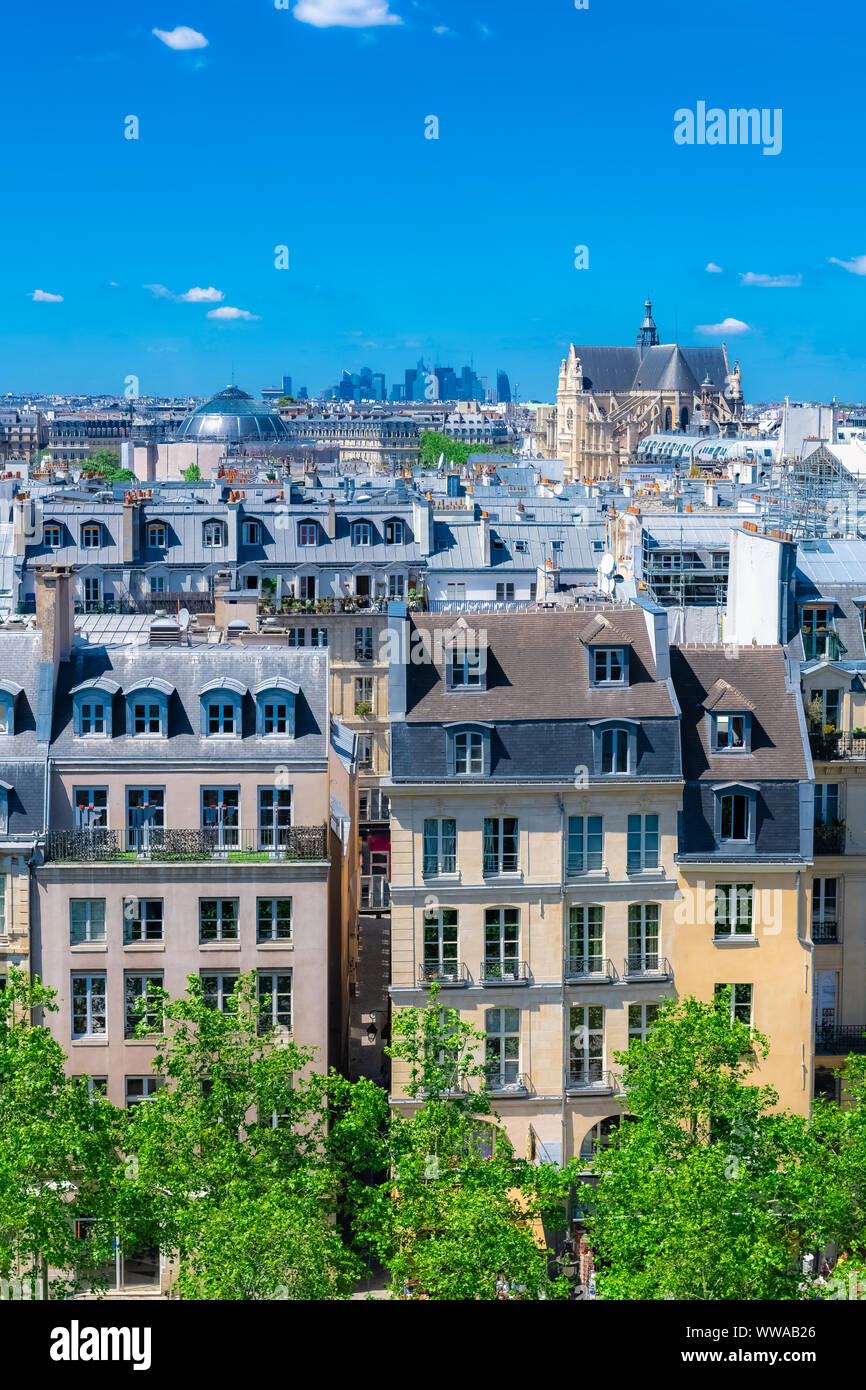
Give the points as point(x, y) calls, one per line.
point(232, 1169)
point(432, 444)
point(105, 463)
point(459, 1208)
point(701, 1194)
point(60, 1157)
point(192, 474)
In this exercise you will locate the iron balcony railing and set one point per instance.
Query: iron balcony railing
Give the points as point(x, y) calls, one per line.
point(449, 973)
point(830, 837)
point(590, 1079)
point(826, 932)
point(841, 1039)
point(649, 964)
point(504, 972)
point(590, 967)
point(163, 845)
point(506, 1082)
point(831, 747)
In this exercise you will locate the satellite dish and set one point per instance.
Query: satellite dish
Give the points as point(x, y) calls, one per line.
point(607, 564)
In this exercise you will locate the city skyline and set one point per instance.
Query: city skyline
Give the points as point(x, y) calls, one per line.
point(184, 288)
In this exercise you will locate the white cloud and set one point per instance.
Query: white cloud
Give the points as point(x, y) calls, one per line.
point(226, 311)
point(182, 38)
point(771, 282)
point(43, 297)
point(199, 296)
point(442, 29)
point(718, 330)
point(855, 267)
point(713, 268)
point(348, 14)
point(159, 291)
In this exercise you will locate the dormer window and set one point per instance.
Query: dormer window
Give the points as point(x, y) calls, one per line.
point(729, 719)
point(615, 746)
point(92, 705)
point(275, 708)
point(157, 535)
point(90, 535)
point(9, 691)
point(732, 733)
point(308, 533)
point(52, 535)
point(609, 666)
point(395, 531)
point(5, 789)
point(147, 707)
point(466, 668)
point(735, 815)
point(221, 705)
point(252, 533)
point(820, 641)
point(362, 533)
point(213, 535)
point(468, 750)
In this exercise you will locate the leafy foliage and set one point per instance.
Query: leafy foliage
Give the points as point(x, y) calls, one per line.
point(431, 444)
point(192, 474)
point(105, 463)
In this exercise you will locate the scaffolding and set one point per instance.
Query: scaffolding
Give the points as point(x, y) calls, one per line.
point(817, 497)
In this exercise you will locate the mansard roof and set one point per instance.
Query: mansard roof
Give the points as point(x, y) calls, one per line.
point(665, 367)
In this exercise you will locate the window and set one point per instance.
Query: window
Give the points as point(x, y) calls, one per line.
point(146, 717)
point(86, 920)
point(362, 533)
point(733, 911)
point(92, 593)
point(440, 846)
point(829, 702)
point(90, 806)
point(363, 694)
point(641, 1018)
point(469, 753)
point(92, 718)
point(826, 802)
point(741, 1002)
point(275, 817)
point(614, 750)
point(96, 1085)
point(608, 666)
point(363, 644)
point(275, 717)
point(157, 583)
point(440, 943)
point(136, 988)
point(504, 592)
point(156, 535)
point(217, 990)
point(318, 636)
point(90, 535)
point(585, 844)
point(819, 635)
point(273, 919)
point(297, 636)
point(457, 593)
point(139, 1088)
point(252, 533)
point(143, 919)
point(585, 939)
point(51, 535)
point(396, 586)
point(500, 845)
point(88, 1006)
point(373, 805)
point(643, 937)
point(3, 914)
point(394, 531)
point(218, 919)
point(587, 1043)
point(731, 732)
point(308, 533)
point(502, 943)
point(365, 751)
point(735, 816)
point(275, 1000)
point(222, 717)
point(145, 812)
point(220, 812)
point(466, 668)
point(825, 921)
point(502, 1048)
point(642, 848)
point(307, 588)
point(213, 535)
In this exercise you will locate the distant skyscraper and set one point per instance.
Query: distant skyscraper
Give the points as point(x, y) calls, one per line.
point(347, 386)
point(446, 379)
point(503, 387)
point(379, 386)
point(287, 385)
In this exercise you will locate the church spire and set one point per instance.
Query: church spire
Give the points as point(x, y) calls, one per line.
point(648, 335)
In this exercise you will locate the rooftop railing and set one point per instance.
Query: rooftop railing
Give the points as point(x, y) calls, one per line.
point(160, 845)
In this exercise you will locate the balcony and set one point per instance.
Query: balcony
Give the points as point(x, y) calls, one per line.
point(506, 1083)
point(649, 966)
point(450, 974)
point(830, 837)
point(159, 845)
point(825, 933)
point(838, 1041)
point(504, 972)
point(591, 968)
point(590, 1081)
point(838, 746)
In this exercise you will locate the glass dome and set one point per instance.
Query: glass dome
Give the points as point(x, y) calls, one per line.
point(233, 415)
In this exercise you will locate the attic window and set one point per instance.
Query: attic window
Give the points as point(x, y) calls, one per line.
point(520, 545)
point(608, 666)
point(732, 733)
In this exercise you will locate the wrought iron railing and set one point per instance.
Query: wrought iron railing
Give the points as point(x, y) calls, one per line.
point(648, 963)
point(506, 1082)
point(825, 932)
point(447, 973)
point(163, 845)
point(590, 967)
point(830, 747)
point(590, 1078)
point(839, 1040)
point(830, 837)
point(504, 972)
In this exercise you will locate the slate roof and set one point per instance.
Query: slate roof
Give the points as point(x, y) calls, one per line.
point(537, 670)
point(777, 742)
point(723, 698)
point(458, 546)
point(665, 367)
point(22, 758)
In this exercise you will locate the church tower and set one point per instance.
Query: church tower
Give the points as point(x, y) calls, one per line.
point(648, 336)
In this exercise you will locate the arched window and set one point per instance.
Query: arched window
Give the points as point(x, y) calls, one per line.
point(362, 532)
point(668, 418)
point(214, 534)
point(569, 419)
point(92, 707)
point(684, 418)
point(91, 535)
point(147, 707)
point(221, 707)
point(308, 533)
point(52, 534)
point(275, 708)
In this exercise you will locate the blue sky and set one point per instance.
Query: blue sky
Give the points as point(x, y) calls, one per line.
point(555, 130)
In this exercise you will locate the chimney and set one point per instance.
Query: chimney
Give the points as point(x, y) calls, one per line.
point(422, 524)
point(484, 532)
point(131, 510)
point(332, 518)
point(55, 613)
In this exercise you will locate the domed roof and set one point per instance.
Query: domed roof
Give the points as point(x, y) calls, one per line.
point(232, 414)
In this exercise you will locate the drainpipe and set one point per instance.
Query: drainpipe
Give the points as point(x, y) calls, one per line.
point(564, 939)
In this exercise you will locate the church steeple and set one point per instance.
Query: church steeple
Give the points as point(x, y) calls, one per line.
point(648, 335)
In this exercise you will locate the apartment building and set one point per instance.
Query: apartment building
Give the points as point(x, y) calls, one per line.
point(198, 820)
point(22, 793)
point(535, 788)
